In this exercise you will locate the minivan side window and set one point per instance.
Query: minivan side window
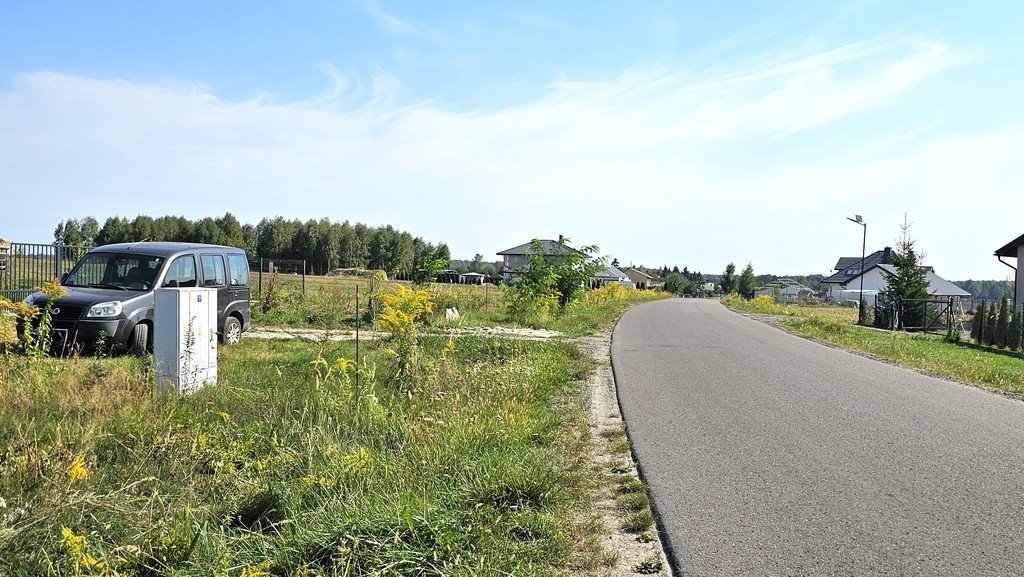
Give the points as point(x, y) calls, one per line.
point(182, 272)
point(238, 269)
point(213, 270)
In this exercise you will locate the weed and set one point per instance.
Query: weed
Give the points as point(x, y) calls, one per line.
point(633, 502)
point(649, 566)
point(637, 521)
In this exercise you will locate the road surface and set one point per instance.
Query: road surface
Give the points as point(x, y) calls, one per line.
point(768, 454)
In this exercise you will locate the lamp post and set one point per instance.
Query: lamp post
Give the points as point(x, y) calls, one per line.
point(863, 247)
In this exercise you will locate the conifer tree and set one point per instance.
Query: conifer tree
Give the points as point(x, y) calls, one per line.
point(1013, 339)
point(1002, 324)
point(910, 284)
point(990, 326)
point(978, 324)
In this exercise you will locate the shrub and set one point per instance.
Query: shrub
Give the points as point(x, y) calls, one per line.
point(1013, 339)
point(978, 324)
point(1002, 324)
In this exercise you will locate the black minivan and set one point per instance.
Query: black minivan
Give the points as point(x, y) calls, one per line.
point(111, 292)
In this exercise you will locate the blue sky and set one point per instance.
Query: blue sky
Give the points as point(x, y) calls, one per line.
point(666, 132)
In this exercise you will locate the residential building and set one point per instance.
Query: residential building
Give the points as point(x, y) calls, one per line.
point(515, 260)
point(1015, 249)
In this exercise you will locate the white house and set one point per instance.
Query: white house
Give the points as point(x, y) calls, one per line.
point(1015, 249)
point(876, 279)
point(610, 275)
point(848, 269)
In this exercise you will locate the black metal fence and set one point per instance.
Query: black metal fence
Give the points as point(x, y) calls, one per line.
point(29, 265)
point(939, 314)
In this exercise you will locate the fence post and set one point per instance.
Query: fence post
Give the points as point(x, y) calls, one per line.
point(303, 278)
point(259, 275)
point(56, 260)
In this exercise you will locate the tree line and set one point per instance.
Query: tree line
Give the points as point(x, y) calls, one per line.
point(325, 245)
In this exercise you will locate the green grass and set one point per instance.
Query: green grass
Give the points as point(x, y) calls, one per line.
point(918, 351)
point(476, 468)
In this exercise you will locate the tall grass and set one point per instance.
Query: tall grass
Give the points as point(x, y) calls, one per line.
point(918, 351)
point(284, 468)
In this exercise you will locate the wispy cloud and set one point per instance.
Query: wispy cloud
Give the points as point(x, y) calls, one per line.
point(396, 25)
point(665, 166)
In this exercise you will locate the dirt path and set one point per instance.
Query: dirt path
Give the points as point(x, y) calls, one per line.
point(317, 335)
point(605, 416)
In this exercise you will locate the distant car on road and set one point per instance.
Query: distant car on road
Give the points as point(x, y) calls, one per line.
point(111, 292)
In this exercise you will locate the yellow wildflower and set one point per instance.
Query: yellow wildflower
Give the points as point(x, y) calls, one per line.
point(261, 570)
point(77, 471)
point(356, 462)
point(224, 417)
point(341, 365)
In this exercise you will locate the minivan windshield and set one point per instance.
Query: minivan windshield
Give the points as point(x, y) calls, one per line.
point(115, 270)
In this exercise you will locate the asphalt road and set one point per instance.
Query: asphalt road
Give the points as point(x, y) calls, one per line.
point(768, 454)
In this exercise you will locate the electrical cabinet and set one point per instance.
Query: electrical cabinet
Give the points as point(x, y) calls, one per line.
point(185, 338)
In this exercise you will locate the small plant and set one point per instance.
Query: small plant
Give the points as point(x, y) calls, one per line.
point(633, 502)
point(638, 521)
point(648, 566)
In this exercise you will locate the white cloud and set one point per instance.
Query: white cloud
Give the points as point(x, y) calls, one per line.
point(676, 167)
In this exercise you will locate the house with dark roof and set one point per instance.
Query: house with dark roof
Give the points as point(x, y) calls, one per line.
point(845, 284)
point(515, 260)
point(848, 268)
point(1015, 249)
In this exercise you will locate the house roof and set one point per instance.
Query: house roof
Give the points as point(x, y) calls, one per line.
point(937, 286)
point(849, 267)
point(1011, 248)
point(638, 271)
point(611, 273)
point(546, 247)
point(472, 274)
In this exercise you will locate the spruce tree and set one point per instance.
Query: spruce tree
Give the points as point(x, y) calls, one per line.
point(747, 282)
point(1002, 324)
point(910, 284)
point(978, 324)
point(729, 280)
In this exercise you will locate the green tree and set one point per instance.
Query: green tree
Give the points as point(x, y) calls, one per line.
point(429, 268)
point(676, 283)
point(1013, 338)
point(747, 283)
point(910, 284)
point(729, 281)
point(990, 326)
point(978, 324)
point(1002, 324)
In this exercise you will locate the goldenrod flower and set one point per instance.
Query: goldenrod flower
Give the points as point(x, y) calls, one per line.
point(341, 365)
point(77, 471)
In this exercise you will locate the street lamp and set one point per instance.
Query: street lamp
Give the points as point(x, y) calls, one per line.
point(863, 247)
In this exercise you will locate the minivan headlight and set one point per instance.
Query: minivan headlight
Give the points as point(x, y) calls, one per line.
point(30, 300)
point(105, 310)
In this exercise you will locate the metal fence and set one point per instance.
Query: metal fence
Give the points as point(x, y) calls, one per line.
point(936, 314)
point(260, 267)
point(30, 265)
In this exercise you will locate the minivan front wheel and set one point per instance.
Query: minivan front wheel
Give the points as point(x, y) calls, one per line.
point(232, 334)
point(138, 343)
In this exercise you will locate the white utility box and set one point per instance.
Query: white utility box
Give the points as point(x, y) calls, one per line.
point(185, 338)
